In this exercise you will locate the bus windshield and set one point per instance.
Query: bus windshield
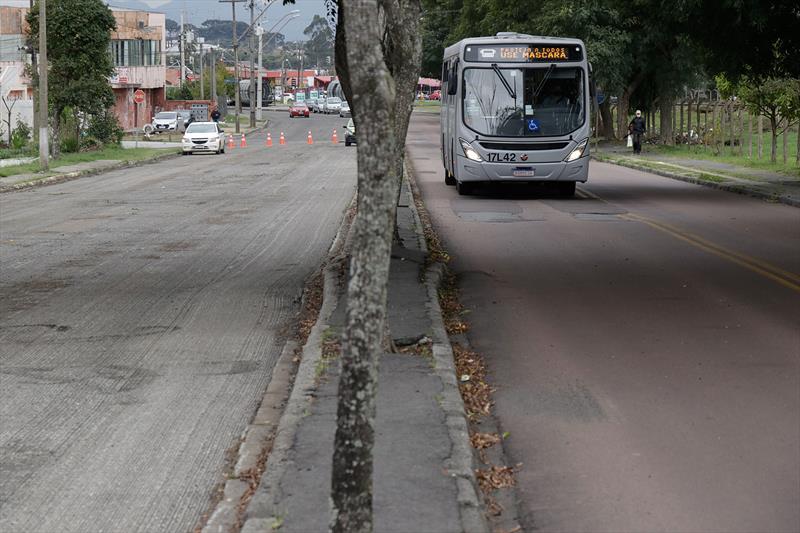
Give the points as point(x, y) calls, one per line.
point(524, 102)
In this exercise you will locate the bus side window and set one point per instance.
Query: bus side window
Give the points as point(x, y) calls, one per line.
point(452, 86)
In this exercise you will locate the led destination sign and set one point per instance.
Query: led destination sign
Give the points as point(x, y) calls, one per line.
point(534, 53)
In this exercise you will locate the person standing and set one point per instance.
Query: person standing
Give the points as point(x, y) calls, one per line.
point(636, 129)
point(215, 115)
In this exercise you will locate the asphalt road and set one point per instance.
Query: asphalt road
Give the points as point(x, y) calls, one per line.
point(142, 313)
point(644, 339)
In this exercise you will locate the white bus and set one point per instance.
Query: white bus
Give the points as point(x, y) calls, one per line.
point(516, 108)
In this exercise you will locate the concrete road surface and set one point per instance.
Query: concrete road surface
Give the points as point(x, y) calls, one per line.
point(644, 339)
point(142, 312)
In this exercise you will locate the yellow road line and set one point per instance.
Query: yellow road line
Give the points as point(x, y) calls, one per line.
point(787, 279)
point(763, 268)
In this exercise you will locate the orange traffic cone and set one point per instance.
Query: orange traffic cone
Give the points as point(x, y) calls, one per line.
point(282, 140)
point(310, 139)
point(269, 140)
point(334, 139)
point(244, 142)
point(230, 142)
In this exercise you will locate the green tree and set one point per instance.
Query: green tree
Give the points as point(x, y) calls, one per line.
point(79, 33)
point(777, 99)
point(319, 45)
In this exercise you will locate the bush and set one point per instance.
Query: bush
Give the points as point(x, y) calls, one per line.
point(90, 143)
point(20, 136)
point(70, 145)
point(104, 127)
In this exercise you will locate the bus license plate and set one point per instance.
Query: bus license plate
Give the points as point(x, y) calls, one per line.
point(523, 173)
point(494, 157)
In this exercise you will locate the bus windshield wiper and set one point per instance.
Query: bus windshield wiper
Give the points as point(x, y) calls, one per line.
point(544, 80)
point(511, 92)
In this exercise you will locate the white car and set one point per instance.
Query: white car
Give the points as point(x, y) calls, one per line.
point(203, 137)
point(332, 105)
point(167, 121)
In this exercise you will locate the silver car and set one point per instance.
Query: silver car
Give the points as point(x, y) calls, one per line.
point(332, 105)
point(344, 110)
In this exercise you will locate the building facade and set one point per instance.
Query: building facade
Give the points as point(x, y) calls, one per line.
point(137, 49)
point(16, 93)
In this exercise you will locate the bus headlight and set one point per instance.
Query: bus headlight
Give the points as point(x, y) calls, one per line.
point(469, 151)
point(578, 151)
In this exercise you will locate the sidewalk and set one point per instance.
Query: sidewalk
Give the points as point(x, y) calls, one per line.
point(68, 172)
point(765, 184)
point(423, 471)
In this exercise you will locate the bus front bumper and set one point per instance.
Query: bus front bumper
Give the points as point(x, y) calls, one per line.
point(469, 170)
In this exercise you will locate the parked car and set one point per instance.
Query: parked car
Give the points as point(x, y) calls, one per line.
point(167, 121)
point(300, 109)
point(203, 137)
point(344, 110)
point(350, 133)
point(332, 105)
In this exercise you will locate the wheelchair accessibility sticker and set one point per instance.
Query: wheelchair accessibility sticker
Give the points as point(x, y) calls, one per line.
point(533, 125)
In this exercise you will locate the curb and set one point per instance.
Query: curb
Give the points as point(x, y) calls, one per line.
point(735, 188)
point(269, 492)
point(461, 462)
point(69, 176)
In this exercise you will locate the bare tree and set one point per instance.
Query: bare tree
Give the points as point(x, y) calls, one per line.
point(9, 110)
point(378, 60)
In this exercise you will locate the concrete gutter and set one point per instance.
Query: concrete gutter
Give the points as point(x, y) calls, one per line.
point(731, 184)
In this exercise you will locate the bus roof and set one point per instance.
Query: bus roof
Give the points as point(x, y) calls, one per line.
point(510, 38)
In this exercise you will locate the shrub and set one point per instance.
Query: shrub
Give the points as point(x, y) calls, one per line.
point(90, 143)
point(70, 145)
point(20, 136)
point(105, 128)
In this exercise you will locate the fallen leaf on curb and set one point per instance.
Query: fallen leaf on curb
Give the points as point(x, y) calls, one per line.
point(495, 477)
point(465, 377)
point(481, 441)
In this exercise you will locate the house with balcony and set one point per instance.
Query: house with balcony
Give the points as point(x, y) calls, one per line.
point(137, 49)
point(16, 93)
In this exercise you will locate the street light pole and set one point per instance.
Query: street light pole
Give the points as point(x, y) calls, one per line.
point(251, 91)
point(259, 96)
point(44, 145)
point(235, 60)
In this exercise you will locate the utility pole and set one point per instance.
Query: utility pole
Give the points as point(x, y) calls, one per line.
point(251, 91)
point(181, 47)
point(200, 41)
point(213, 75)
point(44, 148)
point(259, 96)
point(235, 60)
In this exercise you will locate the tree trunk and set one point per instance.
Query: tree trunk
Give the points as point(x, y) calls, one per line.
point(623, 104)
point(785, 136)
point(681, 122)
point(732, 124)
point(797, 154)
point(760, 136)
point(689, 121)
point(773, 154)
point(403, 55)
point(607, 120)
point(55, 145)
point(750, 133)
point(379, 116)
point(740, 118)
point(667, 136)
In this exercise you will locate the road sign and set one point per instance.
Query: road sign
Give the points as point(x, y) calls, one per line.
point(138, 96)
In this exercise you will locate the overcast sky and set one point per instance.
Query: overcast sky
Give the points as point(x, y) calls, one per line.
point(196, 11)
